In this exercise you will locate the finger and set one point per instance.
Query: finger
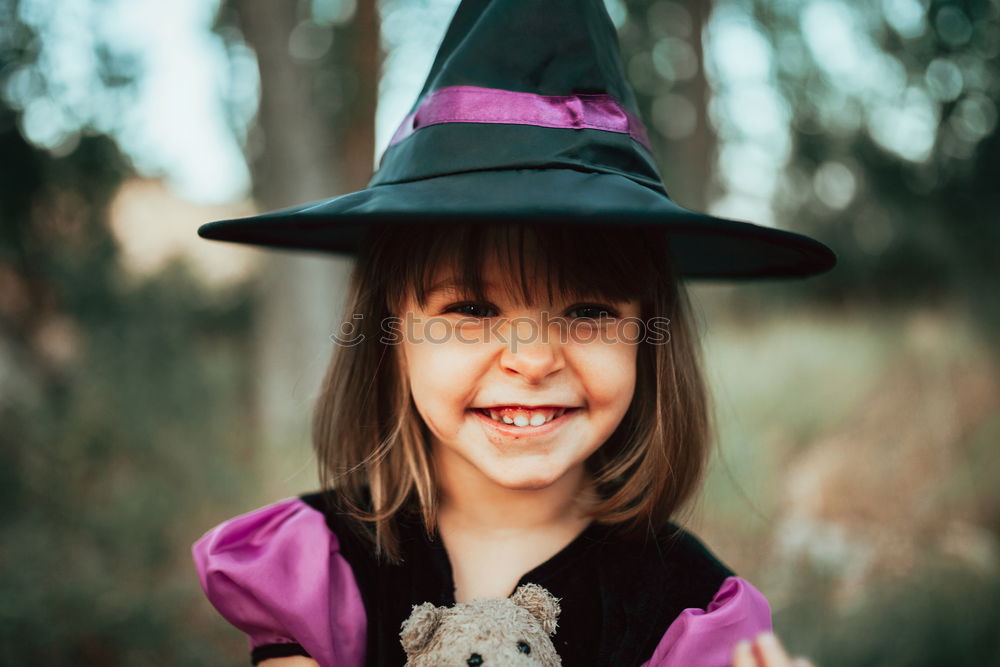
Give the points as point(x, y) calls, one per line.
point(742, 655)
point(802, 662)
point(769, 651)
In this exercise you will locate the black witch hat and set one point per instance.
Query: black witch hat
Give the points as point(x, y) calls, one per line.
point(526, 116)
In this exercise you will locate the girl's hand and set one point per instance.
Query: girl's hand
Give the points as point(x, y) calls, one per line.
point(765, 651)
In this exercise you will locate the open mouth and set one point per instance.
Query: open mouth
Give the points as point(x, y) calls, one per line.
point(523, 421)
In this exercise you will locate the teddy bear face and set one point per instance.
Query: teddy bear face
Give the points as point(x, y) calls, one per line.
point(490, 632)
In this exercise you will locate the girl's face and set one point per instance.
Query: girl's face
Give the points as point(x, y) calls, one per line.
point(463, 357)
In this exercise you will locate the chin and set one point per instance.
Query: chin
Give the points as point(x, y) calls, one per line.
point(524, 480)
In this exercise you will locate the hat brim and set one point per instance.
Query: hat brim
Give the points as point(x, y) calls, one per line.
point(703, 246)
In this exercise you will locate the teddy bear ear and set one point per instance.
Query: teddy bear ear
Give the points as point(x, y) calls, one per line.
point(539, 603)
point(418, 629)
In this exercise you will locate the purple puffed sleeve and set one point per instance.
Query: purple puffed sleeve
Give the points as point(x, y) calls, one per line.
point(277, 574)
point(706, 637)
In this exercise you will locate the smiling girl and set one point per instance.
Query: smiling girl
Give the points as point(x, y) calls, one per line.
point(521, 398)
point(512, 385)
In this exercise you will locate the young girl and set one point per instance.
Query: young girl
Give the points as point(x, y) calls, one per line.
point(520, 399)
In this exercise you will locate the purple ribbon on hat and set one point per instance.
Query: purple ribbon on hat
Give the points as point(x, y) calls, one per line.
point(472, 104)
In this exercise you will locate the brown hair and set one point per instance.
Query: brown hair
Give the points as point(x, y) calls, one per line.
point(373, 447)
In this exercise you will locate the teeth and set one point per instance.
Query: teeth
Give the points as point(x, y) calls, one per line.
point(522, 417)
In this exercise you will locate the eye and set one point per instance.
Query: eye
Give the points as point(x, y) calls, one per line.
point(594, 311)
point(471, 309)
point(474, 659)
point(523, 647)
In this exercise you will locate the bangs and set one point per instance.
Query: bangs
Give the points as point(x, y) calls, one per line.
point(575, 262)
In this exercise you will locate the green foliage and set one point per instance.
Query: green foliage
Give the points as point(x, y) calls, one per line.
point(125, 410)
point(920, 225)
point(107, 474)
point(939, 616)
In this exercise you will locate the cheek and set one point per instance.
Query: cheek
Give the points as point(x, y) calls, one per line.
point(609, 376)
point(441, 375)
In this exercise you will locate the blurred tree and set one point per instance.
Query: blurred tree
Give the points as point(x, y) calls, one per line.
point(896, 152)
point(661, 43)
point(319, 65)
point(121, 407)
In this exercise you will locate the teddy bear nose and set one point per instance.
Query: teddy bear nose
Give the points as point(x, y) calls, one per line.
point(474, 659)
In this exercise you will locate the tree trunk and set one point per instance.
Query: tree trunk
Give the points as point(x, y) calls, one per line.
point(697, 152)
point(685, 162)
point(311, 151)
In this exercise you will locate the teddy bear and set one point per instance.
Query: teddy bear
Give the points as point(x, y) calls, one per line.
point(490, 631)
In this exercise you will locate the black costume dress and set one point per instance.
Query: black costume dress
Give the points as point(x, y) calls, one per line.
point(298, 580)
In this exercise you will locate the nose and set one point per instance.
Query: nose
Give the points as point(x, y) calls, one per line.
point(532, 352)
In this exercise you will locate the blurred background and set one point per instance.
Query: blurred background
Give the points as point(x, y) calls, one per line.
point(153, 384)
